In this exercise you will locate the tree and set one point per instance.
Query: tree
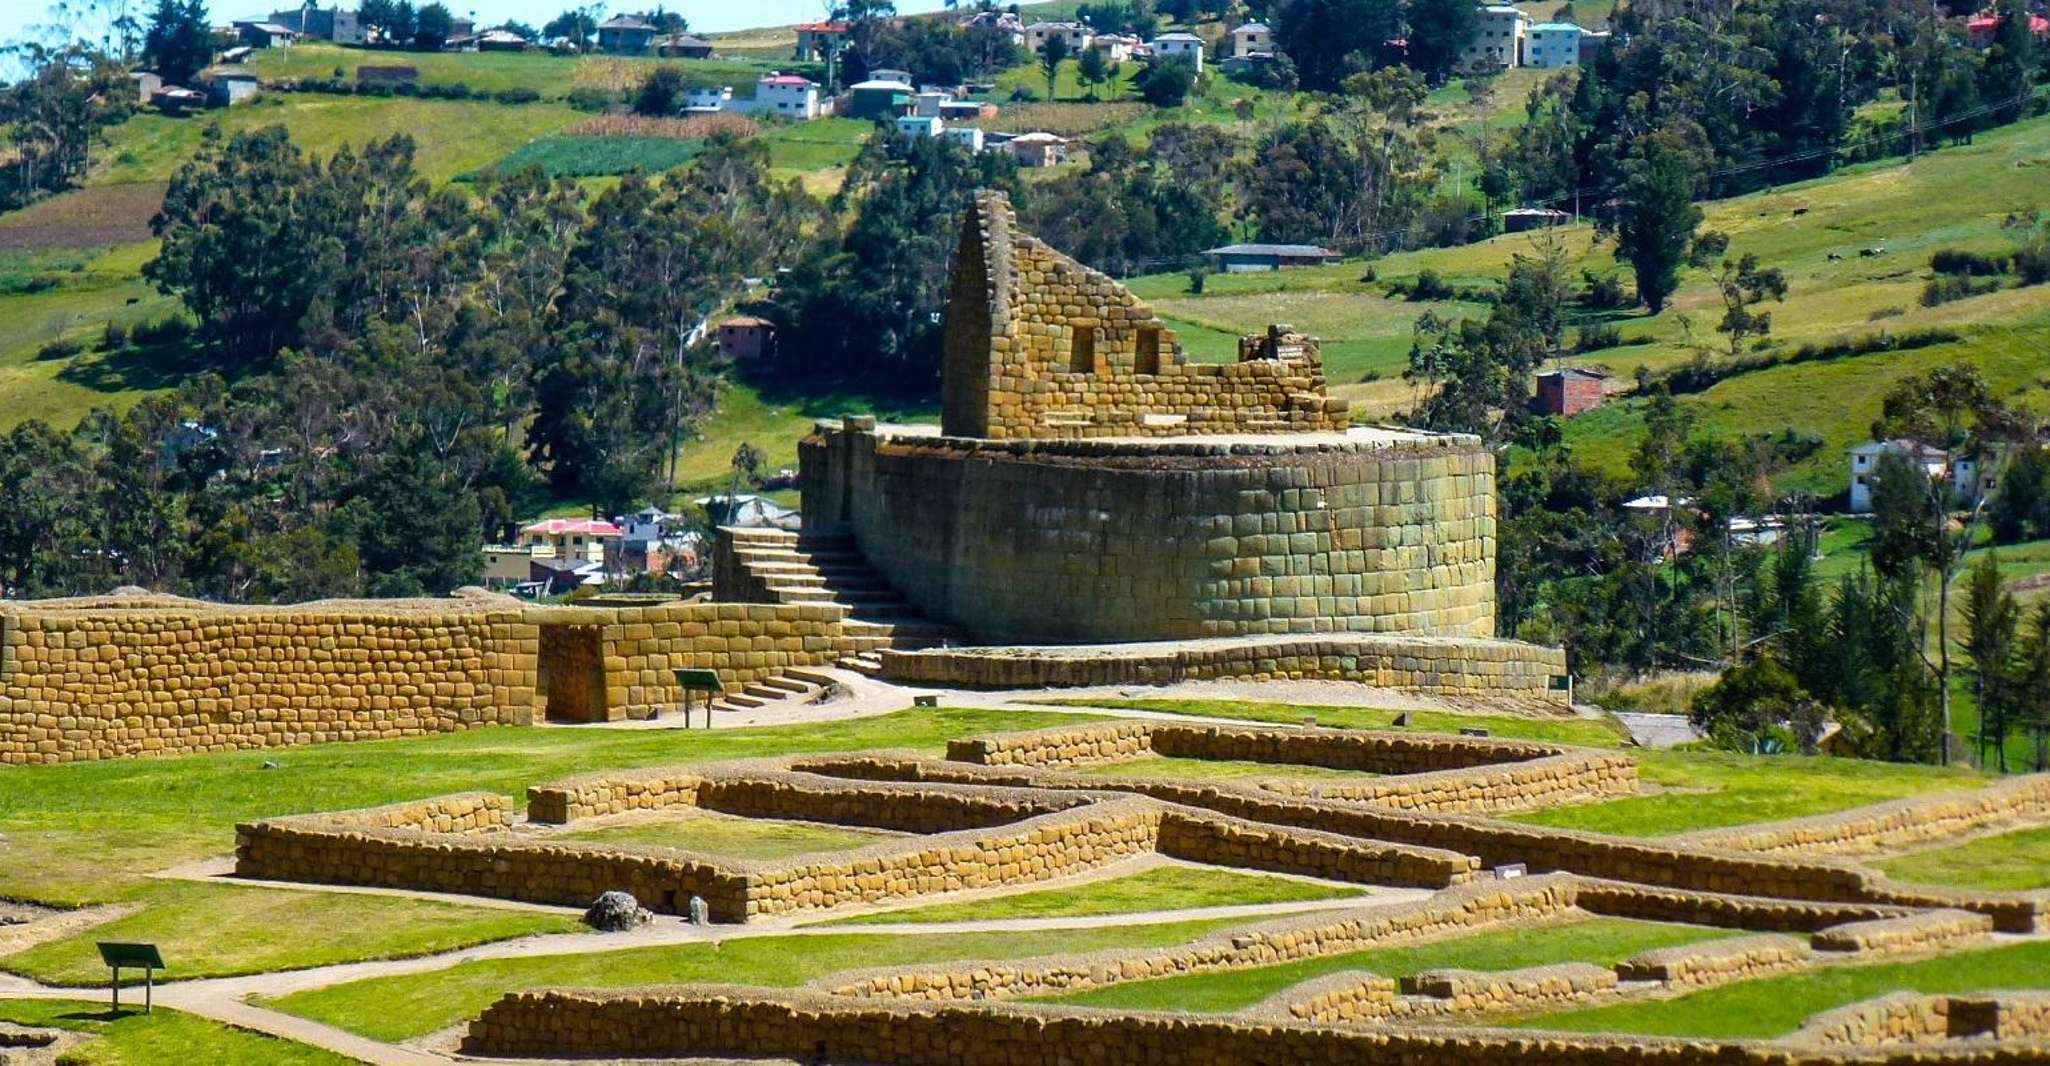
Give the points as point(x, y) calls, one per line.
point(405, 23)
point(1051, 55)
point(577, 25)
point(432, 27)
point(1658, 216)
point(1166, 82)
point(1331, 39)
point(178, 44)
point(1092, 69)
point(1991, 641)
point(2008, 72)
point(54, 117)
point(2035, 686)
point(661, 92)
point(1439, 32)
point(1752, 704)
point(1743, 286)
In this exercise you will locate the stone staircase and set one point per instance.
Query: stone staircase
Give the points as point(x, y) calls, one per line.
point(780, 566)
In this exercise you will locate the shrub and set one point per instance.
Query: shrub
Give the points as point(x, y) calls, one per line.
point(61, 348)
point(1886, 312)
point(2032, 262)
point(1946, 288)
point(1596, 336)
point(1024, 94)
point(589, 98)
point(114, 338)
point(451, 91)
point(1429, 285)
point(1603, 292)
point(163, 331)
point(1967, 264)
point(516, 96)
point(1197, 277)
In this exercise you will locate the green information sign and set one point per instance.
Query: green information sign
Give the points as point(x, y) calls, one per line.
point(705, 681)
point(144, 957)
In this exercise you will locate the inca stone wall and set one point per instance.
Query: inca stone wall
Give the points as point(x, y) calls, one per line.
point(1039, 346)
point(1897, 824)
point(1045, 541)
point(108, 677)
point(1912, 1018)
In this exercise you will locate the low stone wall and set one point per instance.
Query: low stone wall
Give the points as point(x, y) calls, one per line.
point(1202, 836)
point(1514, 991)
point(1911, 1018)
point(741, 642)
point(1443, 665)
point(751, 1022)
point(1652, 903)
point(107, 677)
point(1891, 826)
point(1577, 777)
point(1717, 962)
point(1910, 934)
point(1058, 746)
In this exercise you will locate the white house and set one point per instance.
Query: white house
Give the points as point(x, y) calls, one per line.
point(918, 126)
point(931, 103)
point(969, 137)
point(789, 95)
point(1499, 43)
point(1038, 149)
point(1552, 46)
point(1180, 45)
point(1117, 47)
point(1934, 461)
point(1252, 37)
point(706, 99)
point(1076, 34)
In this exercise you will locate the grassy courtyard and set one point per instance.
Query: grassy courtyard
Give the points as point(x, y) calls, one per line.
point(1180, 769)
point(402, 1008)
point(2005, 862)
point(1587, 732)
point(731, 837)
point(1597, 940)
point(1168, 887)
point(164, 1036)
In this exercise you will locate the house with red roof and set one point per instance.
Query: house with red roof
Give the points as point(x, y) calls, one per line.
point(1982, 26)
point(572, 538)
point(819, 40)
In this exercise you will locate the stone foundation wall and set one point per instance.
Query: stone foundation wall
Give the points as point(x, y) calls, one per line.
point(1894, 825)
point(1110, 541)
point(1455, 666)
point(751, 1022)
point(109, 677)
point(1718, 962)
point(742, 642)
point(1911, 1018)
point(1911, 934)
point(1200, 836)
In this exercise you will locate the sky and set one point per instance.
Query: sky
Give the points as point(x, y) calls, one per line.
point(17, 16)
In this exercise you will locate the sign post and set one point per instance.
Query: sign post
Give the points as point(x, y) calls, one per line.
point(133, 956)
point(705, 681)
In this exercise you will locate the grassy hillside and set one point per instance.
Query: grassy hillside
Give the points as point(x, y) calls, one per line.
point(1955, 198)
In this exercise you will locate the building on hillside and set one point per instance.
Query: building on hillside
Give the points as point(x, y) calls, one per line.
point(789, 95)
point(146, 84)
point(707, 99)
point(748, 512)
point(891, 74)
point(686, 46)
point(1592, 42)
point(1005, 23)
point(920, 126)
point(1075, 34)
point(1552, 46)
point(877, 98)
point(1117, 47)
point(1251, 37)
point(968, 137)
point(1038, 149)
point(501, 41)
point(1253, 258)
point(226, 88)
point(1180, 45)
point(819, 40)
point(1245, 64)
point(930, 103)
point(572, 538)
point(1982, 27)
point(332, 24)
point(626, 35)
point(967, 110)
point(174, 100)
point(1933, 461)
point(1569, 391)
point(238, 54)
point(263, 33)
point(745, 337)
point(1498, 44)
point(1528, 218)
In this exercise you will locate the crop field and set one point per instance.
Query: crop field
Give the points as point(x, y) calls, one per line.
point(83, 219)
point(566, 156)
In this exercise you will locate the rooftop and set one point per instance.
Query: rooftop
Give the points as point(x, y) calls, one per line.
point(1273, 249)
point(556, 527)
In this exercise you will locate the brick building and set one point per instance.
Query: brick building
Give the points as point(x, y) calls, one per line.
point(1569, 391)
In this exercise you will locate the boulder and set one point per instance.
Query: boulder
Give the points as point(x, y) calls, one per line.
point(617, 912)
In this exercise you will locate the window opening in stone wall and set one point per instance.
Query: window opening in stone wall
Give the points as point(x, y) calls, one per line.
point(1082, 347)
point(1147, 358)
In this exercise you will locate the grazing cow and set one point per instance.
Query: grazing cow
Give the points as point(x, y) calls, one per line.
point(1836, 257)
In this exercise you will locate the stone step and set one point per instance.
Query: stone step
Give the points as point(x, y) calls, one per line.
point(786, 684)
point(767, 693)
point(811, 677)
point(741, 699)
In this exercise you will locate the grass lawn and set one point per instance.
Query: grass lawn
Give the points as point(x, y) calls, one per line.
point(1589, 732)
point(1168, 887)
point(159, 1037)
point(564, 155)
point(1180, 769)
point(219, 930)
point(773, 423)
point(106, 288)
point(1601, 941)
point(401, 1008)
point(731, 837)
point(2017, 861)
point(1707, 790)
point(88, 832)
point(1776, 1006)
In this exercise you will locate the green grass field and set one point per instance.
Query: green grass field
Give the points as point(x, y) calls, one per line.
point(402, 1008)
point(569, 156)
point(1601, 941)
point(1688, 791)
point(2005, 862)
point(1180, 769)
point(1165, 888)
point(136, 1039)
point(1776, 1006)
point(1590, 732)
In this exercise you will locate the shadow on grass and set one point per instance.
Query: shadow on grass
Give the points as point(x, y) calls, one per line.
point(150, 367)
point(832, 397)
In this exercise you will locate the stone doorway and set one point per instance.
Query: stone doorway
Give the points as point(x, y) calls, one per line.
point(573, 673)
